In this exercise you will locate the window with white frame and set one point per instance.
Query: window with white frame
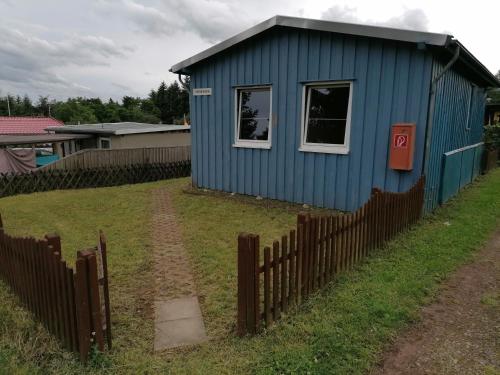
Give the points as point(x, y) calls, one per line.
point(104, 142)
point(253, 117)
point(326, 117)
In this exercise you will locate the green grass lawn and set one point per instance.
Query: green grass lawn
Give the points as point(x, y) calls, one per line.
point(341, 330)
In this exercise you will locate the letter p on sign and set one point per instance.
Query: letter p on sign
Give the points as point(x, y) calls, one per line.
point(402, 147)
point(401, 140)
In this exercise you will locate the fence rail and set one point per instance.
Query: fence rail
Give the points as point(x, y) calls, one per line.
point(312, 254)
point(98, 158)
point(74, 307)
point(44, 180)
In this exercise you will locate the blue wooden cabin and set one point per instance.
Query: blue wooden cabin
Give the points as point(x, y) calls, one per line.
point(301, 110)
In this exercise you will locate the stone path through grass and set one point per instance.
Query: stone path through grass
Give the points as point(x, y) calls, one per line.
point(178, 319)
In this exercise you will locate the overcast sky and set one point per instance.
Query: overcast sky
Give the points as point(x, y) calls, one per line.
point(112, 48)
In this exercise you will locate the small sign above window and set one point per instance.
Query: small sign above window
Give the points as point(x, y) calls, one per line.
point(202, 91)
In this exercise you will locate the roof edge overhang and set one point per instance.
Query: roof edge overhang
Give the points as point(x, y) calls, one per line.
point(476, 66)
point(69, 130)
point(380, 32)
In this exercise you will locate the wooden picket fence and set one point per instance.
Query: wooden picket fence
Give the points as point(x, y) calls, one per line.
point(73, 306)
point(311, 255)
point(98, 158)
point(53, 179)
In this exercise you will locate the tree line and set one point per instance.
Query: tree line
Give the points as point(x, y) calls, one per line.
point(168, 104)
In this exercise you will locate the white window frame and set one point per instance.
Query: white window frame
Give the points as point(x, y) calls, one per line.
point(246, 143)
point(325, 148)
point(104, 139)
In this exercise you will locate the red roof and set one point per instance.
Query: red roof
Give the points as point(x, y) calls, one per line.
point(27, 125)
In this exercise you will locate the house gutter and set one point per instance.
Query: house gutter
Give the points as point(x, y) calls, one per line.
point(183, 83)
point(432, 103)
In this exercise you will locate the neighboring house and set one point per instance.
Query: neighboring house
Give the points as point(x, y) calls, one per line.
point(301, 110)
point(492, 114)
point(26, 142)
point(14, 125)
point(123, 135)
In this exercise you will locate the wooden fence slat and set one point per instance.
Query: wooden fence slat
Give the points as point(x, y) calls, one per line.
point(256, 280)
point(284, 274)
point(321, 257)
point(345, 243)
point(243, 250)
point(250, 284)
point(328, 251)
point(356, 227)
point(107, 304)
point(267, 286)
point(95, 301)
point(299, 268)
point(307, 256)
point(276, 275)
point(313, 259)
point(334, 258)
point(72, 309)
point(292, 262)
point(82, 307)
point(339, 244)
point(65, 304)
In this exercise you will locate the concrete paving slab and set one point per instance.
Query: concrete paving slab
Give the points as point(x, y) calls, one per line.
point(174, 333)
point(178, 308)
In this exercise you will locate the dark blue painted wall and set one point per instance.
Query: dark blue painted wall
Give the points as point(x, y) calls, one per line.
point(454, 126)
point(391, 83)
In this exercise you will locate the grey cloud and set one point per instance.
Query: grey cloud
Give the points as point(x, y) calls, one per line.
point(413, 19)
point(33, 62)
point(149, 19)
point(211, 20)
point(120, 86)
point(341, 13)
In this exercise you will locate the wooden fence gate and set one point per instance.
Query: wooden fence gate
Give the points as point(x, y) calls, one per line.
point(74, 307)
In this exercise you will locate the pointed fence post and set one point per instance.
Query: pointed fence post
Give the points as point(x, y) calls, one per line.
point(248, 284)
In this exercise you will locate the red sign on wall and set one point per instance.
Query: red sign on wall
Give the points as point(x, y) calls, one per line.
point(400, 140)
point(402, 143)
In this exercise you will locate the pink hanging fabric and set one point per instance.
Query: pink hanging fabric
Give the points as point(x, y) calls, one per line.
point(17, 161)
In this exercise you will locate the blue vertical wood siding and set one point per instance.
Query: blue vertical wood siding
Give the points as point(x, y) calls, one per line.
point(391, 83)
point(457, 122)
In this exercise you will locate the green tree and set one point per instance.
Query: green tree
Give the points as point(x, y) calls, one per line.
point(73, 112)
point(167, 104)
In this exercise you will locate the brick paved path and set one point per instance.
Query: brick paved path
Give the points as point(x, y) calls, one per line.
point(178, 319)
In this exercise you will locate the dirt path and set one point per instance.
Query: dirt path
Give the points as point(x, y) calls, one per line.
point(173, 274)
point(178, 318)
point(459, 333)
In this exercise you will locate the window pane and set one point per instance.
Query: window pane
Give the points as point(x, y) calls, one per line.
point(326, 131)
point(255, 103)
point(254, 129)
point(329, 102)
point(105, 143)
